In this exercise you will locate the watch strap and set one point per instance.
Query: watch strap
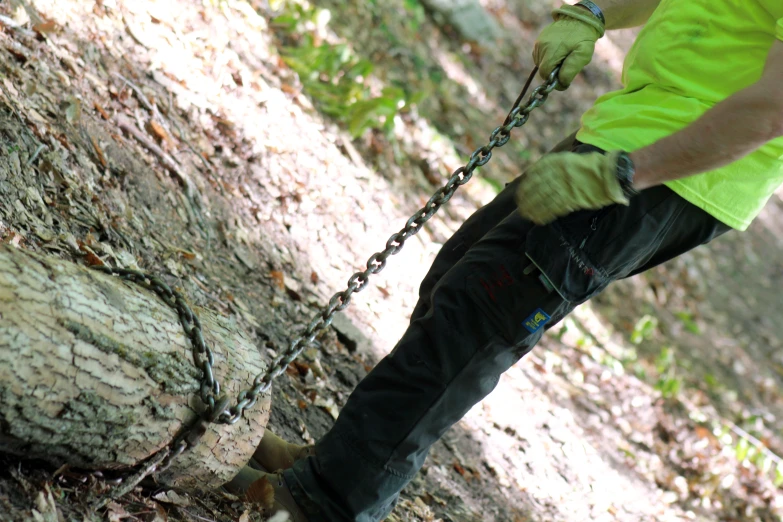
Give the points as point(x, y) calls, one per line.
point(625, 173)
point(593, 8)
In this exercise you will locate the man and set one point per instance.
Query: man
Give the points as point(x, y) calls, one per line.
point(693, 149)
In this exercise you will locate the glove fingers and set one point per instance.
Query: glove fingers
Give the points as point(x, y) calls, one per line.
point(575, 62)
point(547, 57)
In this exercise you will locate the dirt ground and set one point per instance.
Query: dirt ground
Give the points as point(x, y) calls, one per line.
point(178, 137)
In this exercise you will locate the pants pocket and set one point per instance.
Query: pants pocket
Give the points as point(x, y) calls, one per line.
point(516, 304)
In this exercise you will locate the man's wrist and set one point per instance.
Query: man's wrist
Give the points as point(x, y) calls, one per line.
point(642, 178)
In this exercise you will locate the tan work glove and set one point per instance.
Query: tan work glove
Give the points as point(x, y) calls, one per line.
point(570, 39)
point(566, 182)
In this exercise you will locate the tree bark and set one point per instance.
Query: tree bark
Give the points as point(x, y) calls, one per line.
point(97, 373)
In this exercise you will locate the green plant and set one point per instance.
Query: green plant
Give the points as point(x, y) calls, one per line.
point(688, 322)
point(416, 12)
point(668, 383)
point(334, 78)
point(644, 329)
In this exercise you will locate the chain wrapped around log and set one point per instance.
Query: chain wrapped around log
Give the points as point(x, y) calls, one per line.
point(97, 372)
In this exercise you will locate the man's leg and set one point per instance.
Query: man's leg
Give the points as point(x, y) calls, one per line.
point(470, 332)
point(448, 360)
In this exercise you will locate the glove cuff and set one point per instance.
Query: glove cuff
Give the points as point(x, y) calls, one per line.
point(577, 13)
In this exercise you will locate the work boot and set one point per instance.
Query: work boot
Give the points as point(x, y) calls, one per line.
point(268, 490)
point(275, 454)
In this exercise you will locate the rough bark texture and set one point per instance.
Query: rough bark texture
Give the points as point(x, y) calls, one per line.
point(97, 373)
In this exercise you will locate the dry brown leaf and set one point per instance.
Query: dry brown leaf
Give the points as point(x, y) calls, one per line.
point(160, 512)
point(45, 27)
point(289, 89)
point(13, 239)
point(186, 254)
point(99, 153)
point(328, 405)
point(261, 492)
point(301, 367)
point(278, 278)
point(459, 469)
point(115, 512)
point(100, 110)
point(172, 497)
point(90, 257)
point(159, 132)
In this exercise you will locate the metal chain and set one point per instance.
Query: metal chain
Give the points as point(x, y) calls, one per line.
point(218, 410)
point(377, 262)
point(202, 357)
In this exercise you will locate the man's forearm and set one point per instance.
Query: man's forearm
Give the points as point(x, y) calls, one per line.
point(727, 132)
point(621, 14)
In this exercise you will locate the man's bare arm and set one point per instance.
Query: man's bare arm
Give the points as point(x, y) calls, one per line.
point(730, 130)
point(621, 14)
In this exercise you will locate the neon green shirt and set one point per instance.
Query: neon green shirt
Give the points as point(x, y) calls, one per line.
point(690, 55)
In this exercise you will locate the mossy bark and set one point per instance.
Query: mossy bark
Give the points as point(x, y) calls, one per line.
point(96, 372)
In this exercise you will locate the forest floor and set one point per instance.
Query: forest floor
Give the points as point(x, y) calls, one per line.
point(256, 153)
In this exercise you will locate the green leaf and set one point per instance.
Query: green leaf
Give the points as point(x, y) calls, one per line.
point(688, 322)
point(369, 113)
point(742, 449)
point(669, 387)
point(779, 475)
point(764, 464)
point(644, 329)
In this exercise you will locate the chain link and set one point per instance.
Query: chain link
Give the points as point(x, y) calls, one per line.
point(218, 410)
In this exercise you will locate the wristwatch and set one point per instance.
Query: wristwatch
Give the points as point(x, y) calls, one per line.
point(625, 172)
point(590, 6)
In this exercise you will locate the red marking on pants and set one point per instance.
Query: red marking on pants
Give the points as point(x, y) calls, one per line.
point(501, 279)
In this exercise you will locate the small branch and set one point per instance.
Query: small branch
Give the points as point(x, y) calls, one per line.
point(132, 481)
point(8, 22)
point(126, 125)
point(140, 95)
point(191, 194)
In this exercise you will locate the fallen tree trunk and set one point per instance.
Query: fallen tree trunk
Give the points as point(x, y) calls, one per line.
point(97, 373)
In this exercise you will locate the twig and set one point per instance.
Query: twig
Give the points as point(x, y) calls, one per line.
point(759, 445)
point(132, 481)
point(8, 22)
point(124, 124)
point(755, 442)
point(140, 95)
point(198, 516)
point(153, 108)
point(35, 154)
point(191, 194)
point(184, 140)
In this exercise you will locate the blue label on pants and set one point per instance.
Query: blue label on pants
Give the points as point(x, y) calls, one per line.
point(536, 321)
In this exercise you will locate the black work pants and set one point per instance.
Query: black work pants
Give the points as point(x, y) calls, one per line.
point(492, 291)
